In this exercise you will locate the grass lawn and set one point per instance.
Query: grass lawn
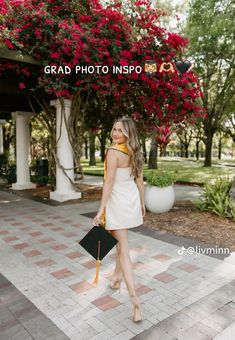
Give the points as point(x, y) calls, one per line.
point(186, 170)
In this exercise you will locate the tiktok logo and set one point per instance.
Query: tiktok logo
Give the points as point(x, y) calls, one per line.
point(181, 250)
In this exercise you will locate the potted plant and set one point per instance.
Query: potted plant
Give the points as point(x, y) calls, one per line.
point(159, 191)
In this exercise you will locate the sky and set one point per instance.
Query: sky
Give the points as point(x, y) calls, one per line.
point(170, 23)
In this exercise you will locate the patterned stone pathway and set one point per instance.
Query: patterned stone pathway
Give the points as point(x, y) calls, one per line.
point(183, 296)
point(20, 319)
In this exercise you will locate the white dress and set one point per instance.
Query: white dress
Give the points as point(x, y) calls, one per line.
point(123, 209)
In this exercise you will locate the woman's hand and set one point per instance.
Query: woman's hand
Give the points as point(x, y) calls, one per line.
point(143, 209)
point(98, 218)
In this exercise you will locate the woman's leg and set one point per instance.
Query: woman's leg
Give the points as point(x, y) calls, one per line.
point(115, 281)
point(126, 267)
point(123, 261)
point(118, 268)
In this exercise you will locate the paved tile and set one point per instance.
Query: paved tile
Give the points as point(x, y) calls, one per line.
point(89, 264)
point(188, 267)
point(143, 290)
point(59, 246)
point(20, 245)
point(74, 255)
point(109, 305)
point(165, 277)
point(69, 234)
point(45, 263)
point(46, 240)
point(36, 233)
point(139, 266)
point(162, 257)
point(32, 253)
point(227, 333)
point(81, 287)
point(39, 244)
point(10, 238)
point(17, 315)
point(4, 232)
point(61, 274)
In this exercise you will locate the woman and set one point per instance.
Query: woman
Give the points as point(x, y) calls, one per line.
point(122, 200)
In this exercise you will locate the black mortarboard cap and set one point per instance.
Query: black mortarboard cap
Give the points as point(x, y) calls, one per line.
point(98, 242)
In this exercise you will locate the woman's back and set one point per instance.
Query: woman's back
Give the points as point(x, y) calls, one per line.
point(123, 208)
point(123, 160)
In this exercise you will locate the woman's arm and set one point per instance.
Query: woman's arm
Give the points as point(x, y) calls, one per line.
point(140, 184)
point(111, 166)
point(107, 188)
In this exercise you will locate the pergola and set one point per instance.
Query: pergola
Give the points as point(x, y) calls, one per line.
point(14, 102)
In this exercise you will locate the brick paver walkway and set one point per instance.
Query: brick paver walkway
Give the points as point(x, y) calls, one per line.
point(183, 296)
point(20, 319)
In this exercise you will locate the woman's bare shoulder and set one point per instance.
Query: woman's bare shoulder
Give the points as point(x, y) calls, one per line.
point(112, 149)
point(112, 153)
point(116, 150)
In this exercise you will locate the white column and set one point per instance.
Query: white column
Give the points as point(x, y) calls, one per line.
point(64, 189)
point(22, 150)
point(2, 122)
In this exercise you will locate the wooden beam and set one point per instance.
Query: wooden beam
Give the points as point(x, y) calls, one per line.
point(18, 56)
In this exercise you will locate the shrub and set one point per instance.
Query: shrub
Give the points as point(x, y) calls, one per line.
point(216, 198)
point(7, 169)
point(41, 180)
point(3, 164)
point(11, 173)
point(160, 178)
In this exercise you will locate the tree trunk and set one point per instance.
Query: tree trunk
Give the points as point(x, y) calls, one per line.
point(186, 150)
point(153, 152)
point(197, 149)
point(181, 150)
point(102, 145)
point(208, 150)
point(86, 148)
point(164, 151)
point(144, 148)
point(6, 142)
point(92, 136)
point(220, 147)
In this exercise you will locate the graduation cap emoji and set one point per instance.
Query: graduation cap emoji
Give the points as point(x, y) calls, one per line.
point(98, 242)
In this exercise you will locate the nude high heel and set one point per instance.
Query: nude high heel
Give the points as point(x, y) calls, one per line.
point(137, 316)
point(116, 282)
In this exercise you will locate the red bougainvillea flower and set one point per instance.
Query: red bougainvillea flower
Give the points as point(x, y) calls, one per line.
point(21, 86)
point(87, 33)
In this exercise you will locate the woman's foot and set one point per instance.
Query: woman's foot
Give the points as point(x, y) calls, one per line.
point(137, 316)
point(116, 280)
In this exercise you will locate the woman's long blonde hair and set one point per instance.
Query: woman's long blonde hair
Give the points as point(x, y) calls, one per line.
point(133, 144)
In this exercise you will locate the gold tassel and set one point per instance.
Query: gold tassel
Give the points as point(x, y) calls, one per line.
point(95, 281)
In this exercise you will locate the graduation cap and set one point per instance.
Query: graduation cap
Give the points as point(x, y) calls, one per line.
point(98, 242)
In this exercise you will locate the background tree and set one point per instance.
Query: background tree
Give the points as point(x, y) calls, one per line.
point(228, 126)
point(87, 33)
point(164, 138)
point(198, 136)
point(185, 134)
point(174, 13)
point(210, 28)
point(9, 135)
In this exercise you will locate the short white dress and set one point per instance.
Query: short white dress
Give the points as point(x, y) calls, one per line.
point(123, 208)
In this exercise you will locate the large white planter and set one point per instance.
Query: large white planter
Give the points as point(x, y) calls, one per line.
point(159, 200)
